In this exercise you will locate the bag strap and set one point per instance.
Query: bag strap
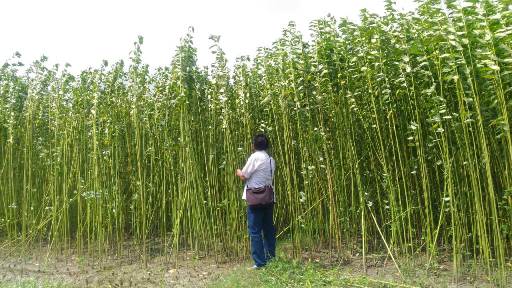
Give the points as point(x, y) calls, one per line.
point(271, 172)
point(272, 179)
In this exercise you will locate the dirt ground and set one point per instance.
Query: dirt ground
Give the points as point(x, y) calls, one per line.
point(414, 271)
point(188, 269)
point(111, 271)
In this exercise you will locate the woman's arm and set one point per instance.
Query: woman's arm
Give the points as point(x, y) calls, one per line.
point(248, 169)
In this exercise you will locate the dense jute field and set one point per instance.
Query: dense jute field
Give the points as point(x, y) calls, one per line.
point(391, 135)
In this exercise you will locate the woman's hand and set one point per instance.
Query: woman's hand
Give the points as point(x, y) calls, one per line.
point(239, 173)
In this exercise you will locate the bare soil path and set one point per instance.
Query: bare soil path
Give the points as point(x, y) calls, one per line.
point(110, 271)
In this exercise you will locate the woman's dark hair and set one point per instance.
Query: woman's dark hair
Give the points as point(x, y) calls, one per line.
point(260, 142)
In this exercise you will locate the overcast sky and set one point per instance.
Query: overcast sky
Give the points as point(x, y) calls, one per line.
point(84, 32)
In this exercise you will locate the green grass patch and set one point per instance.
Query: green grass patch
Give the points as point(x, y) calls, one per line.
point(290, 273)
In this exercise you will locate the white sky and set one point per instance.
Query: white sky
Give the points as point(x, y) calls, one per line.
point(84, 32)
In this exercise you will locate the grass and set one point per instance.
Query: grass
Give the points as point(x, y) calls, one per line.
point(33, 284)
point(284, 272)
point(289, 273)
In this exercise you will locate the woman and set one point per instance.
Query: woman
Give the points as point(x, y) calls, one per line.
point(259, 172)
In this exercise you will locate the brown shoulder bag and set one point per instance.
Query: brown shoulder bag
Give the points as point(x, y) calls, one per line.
point(260, 196)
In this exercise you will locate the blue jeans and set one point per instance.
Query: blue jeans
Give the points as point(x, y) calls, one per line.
point(263, 247)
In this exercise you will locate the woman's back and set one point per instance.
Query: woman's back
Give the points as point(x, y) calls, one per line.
point(259, 169)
